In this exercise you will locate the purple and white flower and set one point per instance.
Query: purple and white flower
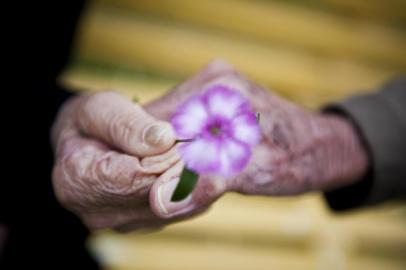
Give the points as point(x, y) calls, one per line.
point(222, 130)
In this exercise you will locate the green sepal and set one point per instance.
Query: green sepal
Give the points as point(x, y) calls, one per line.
point(187, 183)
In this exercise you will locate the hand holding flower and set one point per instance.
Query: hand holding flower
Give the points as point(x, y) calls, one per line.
point(108, 153)
point(299, 151)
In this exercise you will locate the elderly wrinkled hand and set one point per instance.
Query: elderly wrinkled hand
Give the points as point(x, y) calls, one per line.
point(300, 151)
point(108, 154)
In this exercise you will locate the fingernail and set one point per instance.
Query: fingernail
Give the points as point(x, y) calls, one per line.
point(164, 195)
point(158, 134)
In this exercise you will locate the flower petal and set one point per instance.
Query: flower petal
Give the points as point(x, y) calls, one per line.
point(190, 118)
point(201, 155)
point(234, 156)
point(245, 129)
point(222, 101)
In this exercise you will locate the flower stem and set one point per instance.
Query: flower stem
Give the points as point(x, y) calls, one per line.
point(184, 140)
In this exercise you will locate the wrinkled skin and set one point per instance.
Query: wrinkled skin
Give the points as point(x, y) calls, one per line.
point(111, 183)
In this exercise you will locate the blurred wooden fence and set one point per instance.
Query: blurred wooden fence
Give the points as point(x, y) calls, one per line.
point(311, 52)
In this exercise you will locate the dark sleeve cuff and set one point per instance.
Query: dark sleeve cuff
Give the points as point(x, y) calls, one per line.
point(380, 119)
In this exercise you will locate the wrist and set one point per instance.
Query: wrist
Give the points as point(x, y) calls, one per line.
point(341, 156)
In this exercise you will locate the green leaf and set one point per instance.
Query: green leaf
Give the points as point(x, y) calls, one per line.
point(187, 183)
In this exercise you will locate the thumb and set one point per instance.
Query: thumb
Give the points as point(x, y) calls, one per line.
point(206, 192)
point(121, 123)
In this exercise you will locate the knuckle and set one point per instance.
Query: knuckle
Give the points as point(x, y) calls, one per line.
point(86, 178)
point(119, 176)
point(111, 172)
point(123, 129)
point(213, 71)
point(219, 66)
point(231, 80)
point(76, 163)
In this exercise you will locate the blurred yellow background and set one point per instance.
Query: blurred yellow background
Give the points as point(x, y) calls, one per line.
point(311, 52)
